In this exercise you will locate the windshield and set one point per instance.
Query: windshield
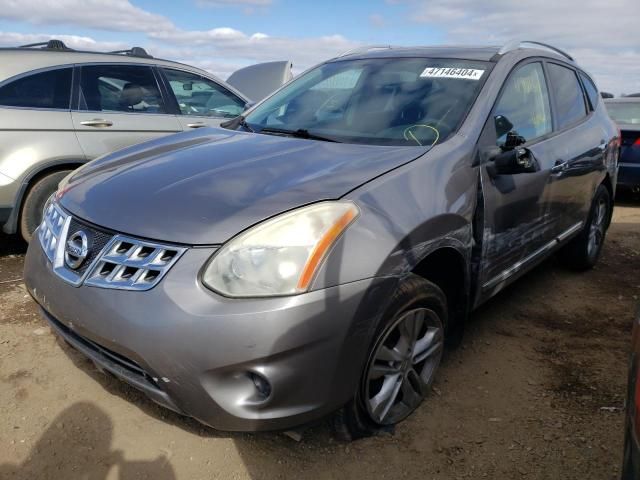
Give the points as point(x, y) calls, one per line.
point(624, 112)
point(384, 101)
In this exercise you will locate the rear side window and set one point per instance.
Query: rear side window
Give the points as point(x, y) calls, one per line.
point(50, 89)
point(120, 88)
point(524, 105)
point(570, 102)
point(592, 91)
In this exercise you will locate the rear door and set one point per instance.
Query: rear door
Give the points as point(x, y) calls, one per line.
point(517, 218)
point(35, 126)
point(201, 101)
point(578, 149)
point(119, 105)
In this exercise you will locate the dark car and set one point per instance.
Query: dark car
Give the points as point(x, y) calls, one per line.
point(626, 112)
point(315, 256)
point(631, 459)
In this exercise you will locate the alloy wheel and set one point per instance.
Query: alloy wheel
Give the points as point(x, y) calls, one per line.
point(402, 366)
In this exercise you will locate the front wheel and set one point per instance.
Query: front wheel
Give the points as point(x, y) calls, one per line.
point(583, 252)
point(402, 362)
point(34, 201)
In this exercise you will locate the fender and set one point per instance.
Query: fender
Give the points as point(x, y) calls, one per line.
point(11, 225)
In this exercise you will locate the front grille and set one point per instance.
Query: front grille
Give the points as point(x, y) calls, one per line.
point(132, 264)
point(51, 228)
point(112, 260)
point(97, 239)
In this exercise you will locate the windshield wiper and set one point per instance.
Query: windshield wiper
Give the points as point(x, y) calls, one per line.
point(299, 133)
point(234, 123)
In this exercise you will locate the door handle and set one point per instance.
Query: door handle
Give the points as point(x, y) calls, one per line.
point(560, 166)
point(196, 125)
point(97, 122)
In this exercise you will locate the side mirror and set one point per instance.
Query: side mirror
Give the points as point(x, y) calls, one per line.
point(513, 140)
point(512, 162)
point(503, 125)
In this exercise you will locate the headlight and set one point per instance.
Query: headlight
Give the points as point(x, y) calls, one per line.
point(281, 255)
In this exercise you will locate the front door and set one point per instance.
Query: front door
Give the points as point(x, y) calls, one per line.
point(119, 106)
point(517, 220)
point(201, 101)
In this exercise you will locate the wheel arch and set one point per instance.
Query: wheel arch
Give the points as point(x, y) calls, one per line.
point(32, 176)
point(610, 188)
point(447, 266)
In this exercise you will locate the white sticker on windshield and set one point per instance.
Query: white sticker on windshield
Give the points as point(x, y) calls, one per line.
point(452, 72)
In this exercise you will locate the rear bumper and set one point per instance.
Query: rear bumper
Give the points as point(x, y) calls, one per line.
point(5, 213)
point(629, 175)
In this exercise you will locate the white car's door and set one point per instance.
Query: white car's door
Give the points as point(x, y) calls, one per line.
point(119, 105)
point(201, 101)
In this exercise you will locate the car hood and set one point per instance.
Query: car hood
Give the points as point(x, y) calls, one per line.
point(206, 186)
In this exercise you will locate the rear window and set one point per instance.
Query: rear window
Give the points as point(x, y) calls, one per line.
point(50, 89)
point(570, 103)
point(624, 112)
point(120, 88)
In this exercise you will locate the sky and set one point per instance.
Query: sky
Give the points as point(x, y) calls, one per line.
point(224, 35)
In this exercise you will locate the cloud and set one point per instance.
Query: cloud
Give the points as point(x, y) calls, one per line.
point(231, 44)
point(377, 20)
point(600, 35)
point(218, 49)
point(226, 3)
point(114, 15)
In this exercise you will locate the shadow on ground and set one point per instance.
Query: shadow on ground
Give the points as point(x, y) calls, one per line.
point(77, 445)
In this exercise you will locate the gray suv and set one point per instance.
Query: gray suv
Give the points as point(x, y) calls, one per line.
point(316, 255)
point(60, 108)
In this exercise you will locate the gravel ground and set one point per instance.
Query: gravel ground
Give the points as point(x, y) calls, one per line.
point(536, 391)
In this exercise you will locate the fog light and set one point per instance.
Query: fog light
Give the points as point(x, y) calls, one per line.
point(262, 385)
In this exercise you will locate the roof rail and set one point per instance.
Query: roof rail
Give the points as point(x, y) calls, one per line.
point(515, 44)
point(134, 52)
point(364, 49)
point(52, 44)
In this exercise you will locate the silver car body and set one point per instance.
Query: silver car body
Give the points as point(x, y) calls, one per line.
point(427, 211)
point(39, 141)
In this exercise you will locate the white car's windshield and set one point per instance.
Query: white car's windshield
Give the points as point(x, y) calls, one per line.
point(385, 101)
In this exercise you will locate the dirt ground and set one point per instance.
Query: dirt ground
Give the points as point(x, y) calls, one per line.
point(535, 392)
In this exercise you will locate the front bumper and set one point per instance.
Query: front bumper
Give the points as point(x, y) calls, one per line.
point(192, 350)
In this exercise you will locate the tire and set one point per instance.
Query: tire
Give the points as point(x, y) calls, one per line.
point(401, 364)
point(36, 197)
point(583, 252)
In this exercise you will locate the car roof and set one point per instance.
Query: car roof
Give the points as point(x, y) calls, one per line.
point(522, 49)
point(14, 61)
point(444, 51)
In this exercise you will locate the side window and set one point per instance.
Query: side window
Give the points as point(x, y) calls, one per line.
point(591, 89)
point(523, 108)
point(199, 96)
point(570, 101)
point(119, 88)
point(50, 89)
